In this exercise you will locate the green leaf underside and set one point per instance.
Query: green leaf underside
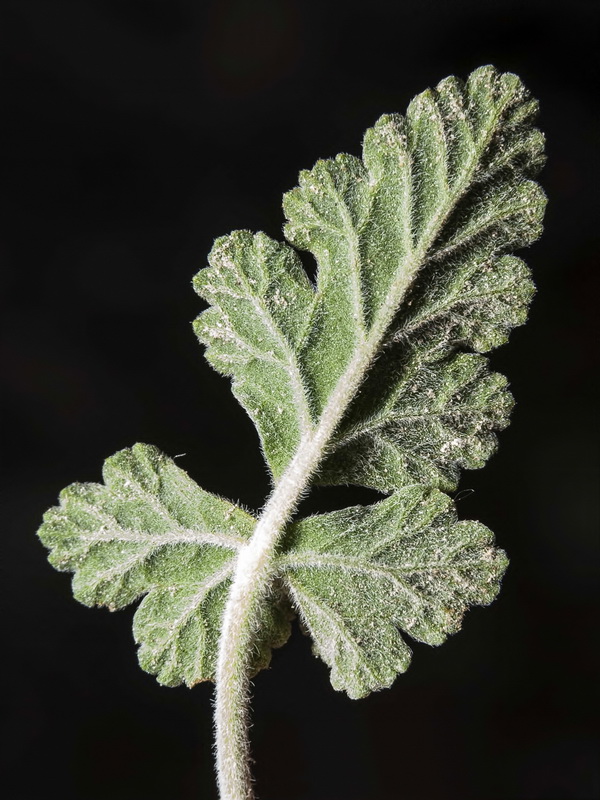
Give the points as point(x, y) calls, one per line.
point(150, 530)
point(436, 203)
point(261, 313)
point(358, 575)
point(423, 427)
point(413, 246)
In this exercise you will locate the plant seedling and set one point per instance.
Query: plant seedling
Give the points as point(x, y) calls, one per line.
point(373, 375)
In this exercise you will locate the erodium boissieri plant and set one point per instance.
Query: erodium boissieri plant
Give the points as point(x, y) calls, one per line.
point(373, 376)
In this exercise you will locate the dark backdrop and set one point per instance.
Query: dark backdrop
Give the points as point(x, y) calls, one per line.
point(135, 132)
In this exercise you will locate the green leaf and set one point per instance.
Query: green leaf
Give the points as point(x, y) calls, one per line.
point(411, 244)
point(374, 374)
point(428, 422)
point(150, 530)
point(262, 302)
point(359, 575)
point(473, 302)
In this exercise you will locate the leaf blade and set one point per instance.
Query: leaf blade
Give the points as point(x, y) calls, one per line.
point(427, 216)
point(434, 420)
point(359, 576)
point(149, 531)
point(450, 196)
point(261, 299)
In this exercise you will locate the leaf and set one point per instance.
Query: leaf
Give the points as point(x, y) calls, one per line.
point(432, 420)
point(411, 244)
point(470, 303)
point(359, 575)
point(150, 530)
point(374, 374)
point(262, 302)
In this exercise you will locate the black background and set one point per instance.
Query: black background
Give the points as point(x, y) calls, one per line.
point(134, 134)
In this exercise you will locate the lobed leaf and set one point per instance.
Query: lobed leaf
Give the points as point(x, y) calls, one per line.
point(261, 309)
point(358, 576)
point(151, 531)
point(369, 374)
point(430, 421)
point(411, 244)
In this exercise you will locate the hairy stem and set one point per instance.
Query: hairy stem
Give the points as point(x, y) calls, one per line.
point(235, 649)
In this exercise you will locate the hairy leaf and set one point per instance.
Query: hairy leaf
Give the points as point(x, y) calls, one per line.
point(359, 575)
point(262, 302)
point(431, 420)
point(427, 216)
point(374, 374)
point(150, 530)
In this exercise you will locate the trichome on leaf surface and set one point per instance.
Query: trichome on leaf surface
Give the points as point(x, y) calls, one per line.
point(373, 375)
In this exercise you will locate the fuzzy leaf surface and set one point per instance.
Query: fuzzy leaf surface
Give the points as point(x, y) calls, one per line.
point(261, 308)
point(373, 374)
point(412, 245)
point(149, 531)
point(359, 576)
point(428, 422)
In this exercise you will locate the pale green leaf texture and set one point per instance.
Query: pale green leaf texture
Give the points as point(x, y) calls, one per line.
point(261, 310)
point(428, 421)
point(359, 575)
point(150, 530)
point(431, 212)
point(373, 374)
